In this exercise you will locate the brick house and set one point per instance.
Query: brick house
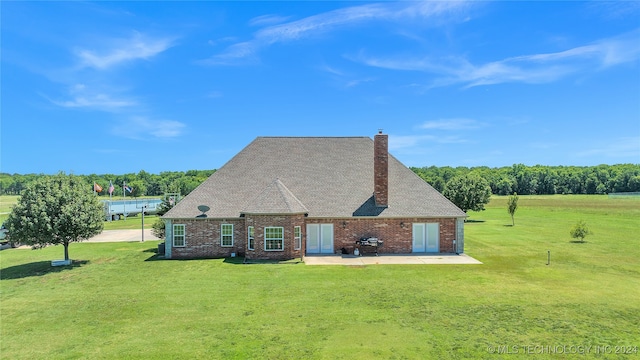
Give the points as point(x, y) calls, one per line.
point(288, 197)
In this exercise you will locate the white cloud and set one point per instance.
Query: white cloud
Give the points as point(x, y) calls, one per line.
point(214, 94)
point(615, 10)
point(140, 127)
point(331, 70)
point(236, 54)
point(333, 20)
point(118, 51)
point(403, 142)
point(167, 129)
point(82, 96)
point(99, 101)
point(270, 19)
point(452, 124)
point(536, 68)
point(621, 148)
point(542, 145)
point(225, 39)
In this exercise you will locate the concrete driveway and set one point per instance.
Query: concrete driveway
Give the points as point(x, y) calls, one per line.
point(110, 236)
point(122, 235)
point(410, 259)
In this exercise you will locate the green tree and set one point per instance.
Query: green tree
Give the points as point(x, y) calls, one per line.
point(55, 210)
point(468, 192)
point(138, 188)
point(158, 229)
point(512, 206)
point(580, 231)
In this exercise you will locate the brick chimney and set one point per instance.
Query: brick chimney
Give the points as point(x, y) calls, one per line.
point(381, 169)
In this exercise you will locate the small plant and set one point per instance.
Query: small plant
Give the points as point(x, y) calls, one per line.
point(158, 229)
point(512, 206)
point(580, 231)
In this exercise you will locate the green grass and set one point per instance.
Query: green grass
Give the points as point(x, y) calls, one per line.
point(132, 222)
point(6, 203)
point(116, 301)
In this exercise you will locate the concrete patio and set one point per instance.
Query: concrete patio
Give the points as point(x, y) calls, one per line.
point(389, 259)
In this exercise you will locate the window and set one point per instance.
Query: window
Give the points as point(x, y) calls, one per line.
point(178, 235)
point(273, 238)
point(297, 238)
point(250, 238)
point(226, 235)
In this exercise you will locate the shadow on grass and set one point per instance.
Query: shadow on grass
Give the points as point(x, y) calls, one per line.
point(155, 252)
point(39, 268)
point(468, 221)
point(154, 257)
point(244, 261)
point(578, 242)
point(238, 260)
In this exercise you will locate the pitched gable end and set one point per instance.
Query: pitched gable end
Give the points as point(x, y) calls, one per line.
point(276, 198)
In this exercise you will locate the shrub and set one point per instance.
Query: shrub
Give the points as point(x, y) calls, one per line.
point(580, 231)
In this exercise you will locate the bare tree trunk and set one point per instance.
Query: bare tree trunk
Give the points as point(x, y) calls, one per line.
point(66, 250)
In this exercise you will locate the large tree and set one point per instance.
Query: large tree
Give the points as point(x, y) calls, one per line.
point(55, 210)
point(468, 192)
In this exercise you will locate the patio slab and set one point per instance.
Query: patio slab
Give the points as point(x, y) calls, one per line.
point(392, 259)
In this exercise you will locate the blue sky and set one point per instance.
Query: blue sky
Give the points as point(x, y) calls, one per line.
point(117, 87)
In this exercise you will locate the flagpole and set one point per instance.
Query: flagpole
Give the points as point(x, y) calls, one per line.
point(110, 195)
point(124, 203)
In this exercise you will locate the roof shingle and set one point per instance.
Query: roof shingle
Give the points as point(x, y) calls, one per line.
point(324, 177)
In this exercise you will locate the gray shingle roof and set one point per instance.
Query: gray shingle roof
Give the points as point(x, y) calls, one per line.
point(325, 176)
point(275, 199)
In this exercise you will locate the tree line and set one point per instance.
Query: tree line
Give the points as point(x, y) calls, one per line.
point(519, 178)
point(543, 180)
point(141, 183)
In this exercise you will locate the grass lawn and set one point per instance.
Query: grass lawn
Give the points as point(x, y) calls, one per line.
point(132, 222)
point(119, 301)
point(6, 203)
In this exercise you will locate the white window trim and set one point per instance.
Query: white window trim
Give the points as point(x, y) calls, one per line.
point(297, 237)
point(222, 235)
point(251, 237)
point(265, 238)
point(184, 235)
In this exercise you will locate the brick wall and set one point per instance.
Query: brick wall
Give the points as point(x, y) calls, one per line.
point(203, 235)
point(202, 239)
point(397, 233)
point(287, 222)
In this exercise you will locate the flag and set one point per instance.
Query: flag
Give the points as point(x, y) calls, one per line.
point(128, 189)
point(97, 187)
point(111, 188)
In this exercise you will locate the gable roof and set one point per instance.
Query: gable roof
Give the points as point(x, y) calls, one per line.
point(327, 176)
point(275, 199)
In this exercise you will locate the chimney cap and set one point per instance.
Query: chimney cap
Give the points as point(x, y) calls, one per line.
point(379, 131)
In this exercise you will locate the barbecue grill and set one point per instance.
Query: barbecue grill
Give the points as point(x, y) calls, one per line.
point(372, 242)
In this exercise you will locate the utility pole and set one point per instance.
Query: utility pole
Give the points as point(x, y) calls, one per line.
point(144, 207)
